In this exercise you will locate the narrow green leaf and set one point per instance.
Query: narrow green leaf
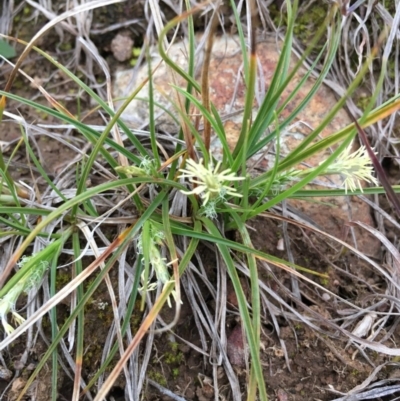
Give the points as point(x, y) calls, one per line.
point(6, 50)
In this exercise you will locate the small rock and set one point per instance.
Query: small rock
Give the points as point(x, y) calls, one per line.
point(235, 347)
point(206, 391)
point(280, 245)
point(282, 395)
point(326, 297)
point(5, 374)
point(121, 47)
point(16, 387)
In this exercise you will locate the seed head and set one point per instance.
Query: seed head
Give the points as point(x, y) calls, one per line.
point(354, 167)
point(210, 183)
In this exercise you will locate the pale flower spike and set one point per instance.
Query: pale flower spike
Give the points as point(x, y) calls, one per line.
point(158, 263)
point(210, 183)
point(7, 304)
point(25, 284)
point(354, 167)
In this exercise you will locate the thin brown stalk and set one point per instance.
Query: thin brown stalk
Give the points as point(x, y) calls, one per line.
point(205, 89)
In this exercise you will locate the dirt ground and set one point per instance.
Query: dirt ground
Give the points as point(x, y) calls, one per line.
point(319, 362)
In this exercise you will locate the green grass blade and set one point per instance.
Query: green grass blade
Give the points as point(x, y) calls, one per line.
point(252, 337)
point(77, 266)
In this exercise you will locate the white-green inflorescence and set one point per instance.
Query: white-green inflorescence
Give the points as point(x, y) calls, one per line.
point(28, 282)
point(158, 263)
point(354, 167)
point(147, 167)
point(211, 185)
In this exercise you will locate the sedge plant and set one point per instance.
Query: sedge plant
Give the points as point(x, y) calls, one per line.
point(181, 196)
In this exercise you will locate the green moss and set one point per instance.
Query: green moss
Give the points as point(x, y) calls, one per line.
point(136, 317)
point(43, 115)
point(157, 377)
point(18, 84)
point(169, 364)
point(324, 281)
point(298, 327)
point(135, 53)
point(63, 278)
point(46, 322)
point(174, 357)
point(93, 354)
point(133, 62)
point(99, 310)
point(306, 24)
point(66, 46)
point(390, 6)
point(175, 373)
point(363, 101)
